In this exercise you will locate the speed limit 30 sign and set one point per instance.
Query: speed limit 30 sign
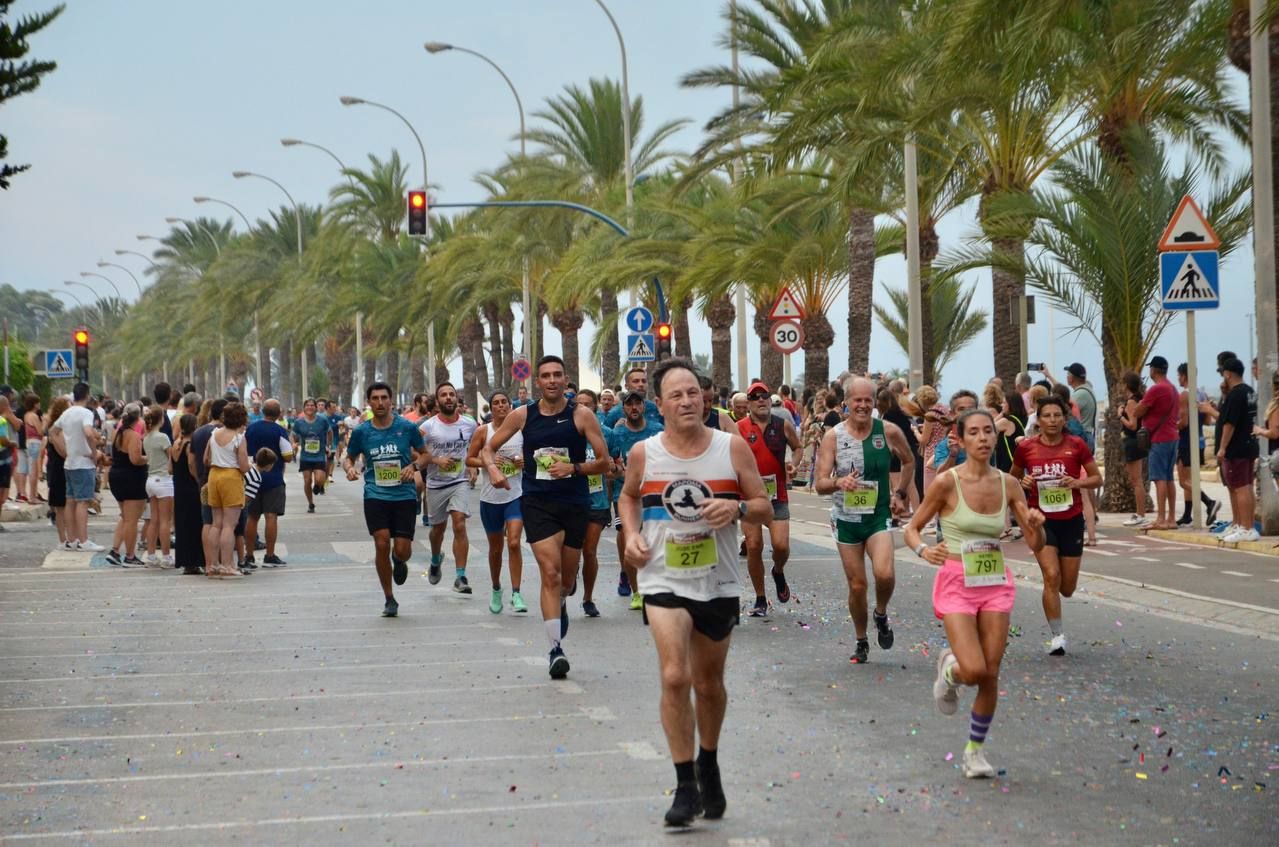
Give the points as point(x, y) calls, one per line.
point(786, 336)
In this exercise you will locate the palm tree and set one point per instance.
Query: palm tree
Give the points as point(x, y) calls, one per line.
point(954, 322)
point(580, 138)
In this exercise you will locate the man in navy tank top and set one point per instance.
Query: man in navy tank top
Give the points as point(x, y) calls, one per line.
point(556, 499)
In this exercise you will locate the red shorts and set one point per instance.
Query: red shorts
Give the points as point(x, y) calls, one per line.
point(1237, 473)
point(951, 596)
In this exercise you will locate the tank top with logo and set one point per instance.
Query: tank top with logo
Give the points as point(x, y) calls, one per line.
point(872, 459)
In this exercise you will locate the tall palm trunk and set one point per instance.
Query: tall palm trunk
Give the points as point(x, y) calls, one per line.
point(415, 380)
point(861, 287)
point(370, 362)
point(1008, 286)
point(507, 320)
point(441, 372)
point(336, 364)
point(492, 315)
point(1117, 493)
point(929, 247)
point(610, 358)
point(539, 337)
point(770, 360)
point(469, 336)
point(720, 314)
point(819, 335)
point(569, 322)
point(393, 374)
point(264, 372)
point(680, 327)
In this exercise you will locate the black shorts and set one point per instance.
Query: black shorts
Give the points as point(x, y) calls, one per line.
point(544, 517)
point(1066, 534)
point(270, 502)
point(399, 516)
point(1131, 454)
point(127, 486)
point(57, 478)
point(713, 618)
point(603, 517)
point(312, 465)
point(6, 473)
point(1183, 454)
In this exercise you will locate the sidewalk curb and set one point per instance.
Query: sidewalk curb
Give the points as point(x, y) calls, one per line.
point(1265, 547)
point(23, 512)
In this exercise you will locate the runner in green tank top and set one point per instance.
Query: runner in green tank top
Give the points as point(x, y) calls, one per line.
point(853, 464)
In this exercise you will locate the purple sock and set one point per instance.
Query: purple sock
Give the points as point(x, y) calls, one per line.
point(978, 726)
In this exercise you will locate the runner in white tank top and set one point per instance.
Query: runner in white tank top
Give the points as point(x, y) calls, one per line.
point(685, 491)
point(500, 511)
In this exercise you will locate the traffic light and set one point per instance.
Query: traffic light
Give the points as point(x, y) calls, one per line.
point(417, 212)
point(663, 333)
point(81, 338)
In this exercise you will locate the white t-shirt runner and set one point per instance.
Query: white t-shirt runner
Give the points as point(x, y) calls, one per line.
point(511, 450)
point(449, 440)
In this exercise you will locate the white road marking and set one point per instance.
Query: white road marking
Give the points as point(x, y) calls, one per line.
point(167, 636)
point(509, 810)
point(641, 750)
point(1236, 573)
point(1191, 565)
point(1144, 558)
point(265, 730)
point(310, 649)
point(599, 713)
point(1097, 551)
point(353, 766)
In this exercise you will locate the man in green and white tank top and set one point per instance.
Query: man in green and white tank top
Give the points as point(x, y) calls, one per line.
point(853, 465)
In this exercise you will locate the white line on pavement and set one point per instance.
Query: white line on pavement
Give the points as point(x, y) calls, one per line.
point(1191, 565)
point(310, 649)
point(265, 730)
point(1097, 551)
point(511, 809)
point(1236, 573)
point(245, 635)
point(289, 698)
point(259, 671)
point(354, 766)
point(1144, 558)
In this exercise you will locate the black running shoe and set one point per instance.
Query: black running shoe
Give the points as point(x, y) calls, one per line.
point(760, 609)
point(862, 655)
point(686, 807)
point(249, 561)
point(310, 509)
point(272, 561)
point(1212, 512)
point(391, 609)
point(399, 570)
point(558, 663)
point(713, 801)
point(461, 586)
point(132, 562)
point(1185, 520)
point(623, 586)
point(590, 609)
point(114, 558)
point(783, 590)
point(193, 570)
point(316, 489)
point(259, 544)
point(883, 632)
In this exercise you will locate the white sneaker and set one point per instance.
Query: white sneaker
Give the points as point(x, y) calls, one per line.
point(1143, 523)
point(1135, 520)
point(944, 692)
point(89, 546)
point(168, 561)
point(1058, 646)
point(976, 766)
point(152, 560)
point(1241, 534)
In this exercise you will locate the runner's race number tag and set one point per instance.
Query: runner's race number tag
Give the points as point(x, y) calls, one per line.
point(596, 482)
point(687, 554)
point(311, 445)
point(1053, 498)
point(452, 468)
point(507, 467)
point(983, 563)
point(547, 456)
point(770, 486)
point(862, 500)
point(386, 473)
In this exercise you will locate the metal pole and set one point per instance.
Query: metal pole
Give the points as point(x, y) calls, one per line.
point(626, 128)
point(915, 319)
point(1263, 243)
point(1192, 404)
point(741, 286)
point(1023, 331)
point(221, 364)
point(359, 359)
point(6, 349)
point(305, 390)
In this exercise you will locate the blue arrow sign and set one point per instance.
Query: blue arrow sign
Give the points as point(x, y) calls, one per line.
point(57, 364)
point(641, 347)
point(639, 320)
point(1189, 280)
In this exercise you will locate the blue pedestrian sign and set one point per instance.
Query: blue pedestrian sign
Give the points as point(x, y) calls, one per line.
point(641, 347)
point(639, 320)
point(1189, 280)
point(57, 364)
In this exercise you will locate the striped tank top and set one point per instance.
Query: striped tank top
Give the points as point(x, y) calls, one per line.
point(686, 557)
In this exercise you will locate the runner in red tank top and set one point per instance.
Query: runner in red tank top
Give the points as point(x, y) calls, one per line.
point(768, 436)
point(1048, 466)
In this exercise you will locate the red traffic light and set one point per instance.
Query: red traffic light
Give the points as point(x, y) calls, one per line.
point(663, 331)
point(81, 336)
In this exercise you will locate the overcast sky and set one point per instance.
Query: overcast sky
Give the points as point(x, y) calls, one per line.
point(156, 101)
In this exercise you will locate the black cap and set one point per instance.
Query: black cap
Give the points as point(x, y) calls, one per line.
point(1234, 366)
point(1077, 370)
point(1158, 362)
point(627, 396)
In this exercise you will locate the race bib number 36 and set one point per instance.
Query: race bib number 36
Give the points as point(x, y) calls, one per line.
point(983, 563)
point(862, 500)
point(386, 473)
point(1053, 498)
point(690, 553)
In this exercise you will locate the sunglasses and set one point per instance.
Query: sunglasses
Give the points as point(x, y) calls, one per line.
point(757, 396)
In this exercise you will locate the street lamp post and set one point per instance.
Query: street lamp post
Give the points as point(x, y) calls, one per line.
point(202, 199)
point(297, 215)
point(359, 316)
point(108, 279)
point(440, 47)
point(142, 256)
point(430, 330)
point(126, 270)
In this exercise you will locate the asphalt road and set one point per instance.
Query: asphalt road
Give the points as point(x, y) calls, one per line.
point(145, 707)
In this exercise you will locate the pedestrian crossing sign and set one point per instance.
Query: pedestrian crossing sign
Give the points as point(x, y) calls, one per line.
point(640, 347)
point(1189, 280)
point(57, 364)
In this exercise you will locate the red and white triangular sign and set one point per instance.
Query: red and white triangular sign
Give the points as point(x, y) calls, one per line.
point(1188, 229)
point(786, 307)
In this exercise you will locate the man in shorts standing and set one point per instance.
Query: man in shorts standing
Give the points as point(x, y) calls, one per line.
point(556, 499)
point(685, 491)
point(446, 437)
point(853, 468)
point(271, 490)
point(768, 436)
point(1158, 413)
point(391, 447)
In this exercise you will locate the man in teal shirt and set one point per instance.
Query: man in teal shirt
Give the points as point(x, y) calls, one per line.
point(390, 447)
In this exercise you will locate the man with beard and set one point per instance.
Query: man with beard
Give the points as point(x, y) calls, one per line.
point(446, 437)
